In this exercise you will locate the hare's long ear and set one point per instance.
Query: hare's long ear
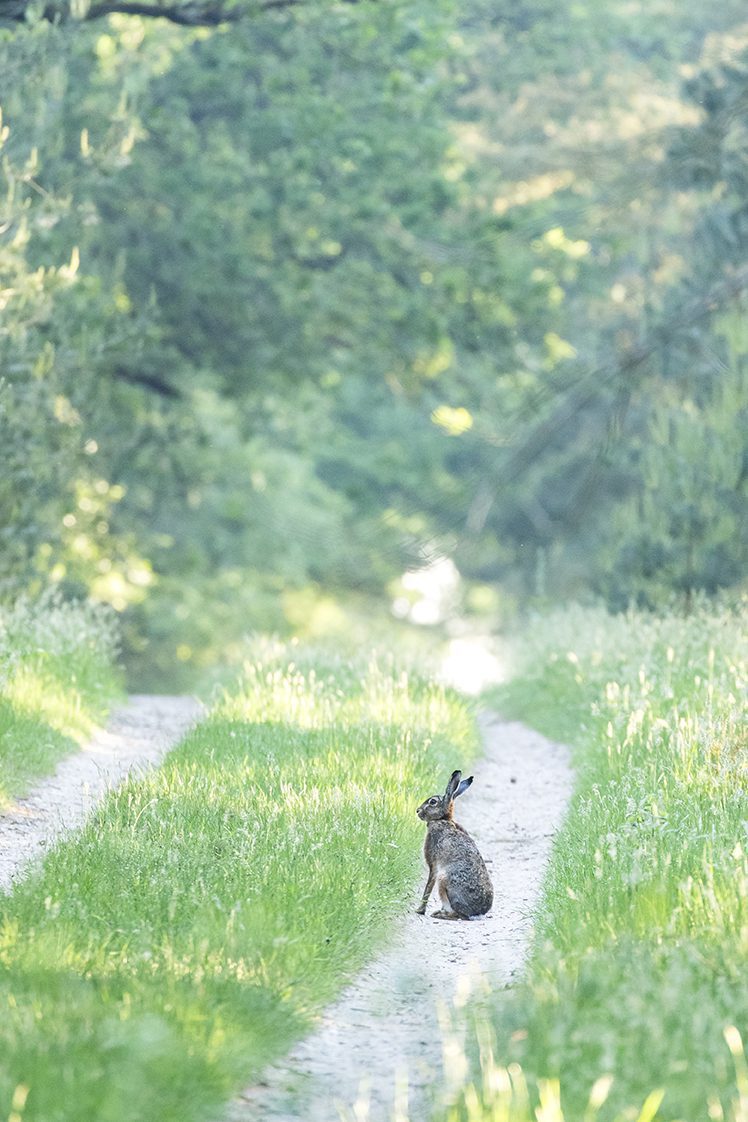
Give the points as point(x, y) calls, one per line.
point(454, 783)
point(464, 785)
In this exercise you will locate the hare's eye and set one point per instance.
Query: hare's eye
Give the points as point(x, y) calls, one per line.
point(433, 802)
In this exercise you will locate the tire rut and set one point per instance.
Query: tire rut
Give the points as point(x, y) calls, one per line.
point(137, 737)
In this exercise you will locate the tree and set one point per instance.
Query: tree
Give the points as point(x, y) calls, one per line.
point(300, 299)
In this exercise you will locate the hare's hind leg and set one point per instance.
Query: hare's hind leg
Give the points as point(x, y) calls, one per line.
point(463, 903)
point(446, 911)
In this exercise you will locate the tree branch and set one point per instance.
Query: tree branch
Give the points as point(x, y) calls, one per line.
point(187, 15)
point(149, 381)
point(190, 13)
point(587, 389)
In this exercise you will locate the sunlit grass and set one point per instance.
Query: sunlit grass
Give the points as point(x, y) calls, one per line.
point(641, 954)
point(504, 1093)
point(192, 929)
point(57, 680)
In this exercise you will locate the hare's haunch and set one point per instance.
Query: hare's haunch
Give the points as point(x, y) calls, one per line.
point(455, 865)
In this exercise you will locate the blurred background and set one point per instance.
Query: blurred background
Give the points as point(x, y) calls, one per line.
point(378, 314)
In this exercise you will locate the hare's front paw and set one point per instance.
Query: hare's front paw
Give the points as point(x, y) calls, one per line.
point(444, 914)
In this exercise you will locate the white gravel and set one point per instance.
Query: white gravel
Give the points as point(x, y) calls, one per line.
point(137, 736)
point(376, 1054)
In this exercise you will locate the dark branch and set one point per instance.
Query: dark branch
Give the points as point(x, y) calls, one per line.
point(191, 13)
point(149, 381)
point(187, 15)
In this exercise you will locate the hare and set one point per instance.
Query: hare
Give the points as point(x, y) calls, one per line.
point(455, 865)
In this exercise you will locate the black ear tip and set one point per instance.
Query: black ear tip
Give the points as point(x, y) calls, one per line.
point(469, 780)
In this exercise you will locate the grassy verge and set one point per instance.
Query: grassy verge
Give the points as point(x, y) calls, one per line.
point(638, 984)
point(187, 935)
point(57, 679)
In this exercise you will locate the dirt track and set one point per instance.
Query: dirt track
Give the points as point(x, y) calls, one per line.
point(377, 1052)
point(137, 736)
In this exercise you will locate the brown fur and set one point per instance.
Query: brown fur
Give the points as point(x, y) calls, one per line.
point(453, 859)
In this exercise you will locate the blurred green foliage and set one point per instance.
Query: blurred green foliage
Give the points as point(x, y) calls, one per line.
point(295, 302)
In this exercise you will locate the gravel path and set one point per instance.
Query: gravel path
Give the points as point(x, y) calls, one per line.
point(137, 736)
point(383, 1032)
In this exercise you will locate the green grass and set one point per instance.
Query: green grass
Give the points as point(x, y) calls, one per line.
point(187, 935)
point(58, 677)
point(640, 967)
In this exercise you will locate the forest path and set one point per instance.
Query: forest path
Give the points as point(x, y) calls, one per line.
point(136, 737)
point(377, 1052)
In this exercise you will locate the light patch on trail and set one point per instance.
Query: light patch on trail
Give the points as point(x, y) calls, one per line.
point(137, 736)
point(472, 663)
point(377, 1053)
